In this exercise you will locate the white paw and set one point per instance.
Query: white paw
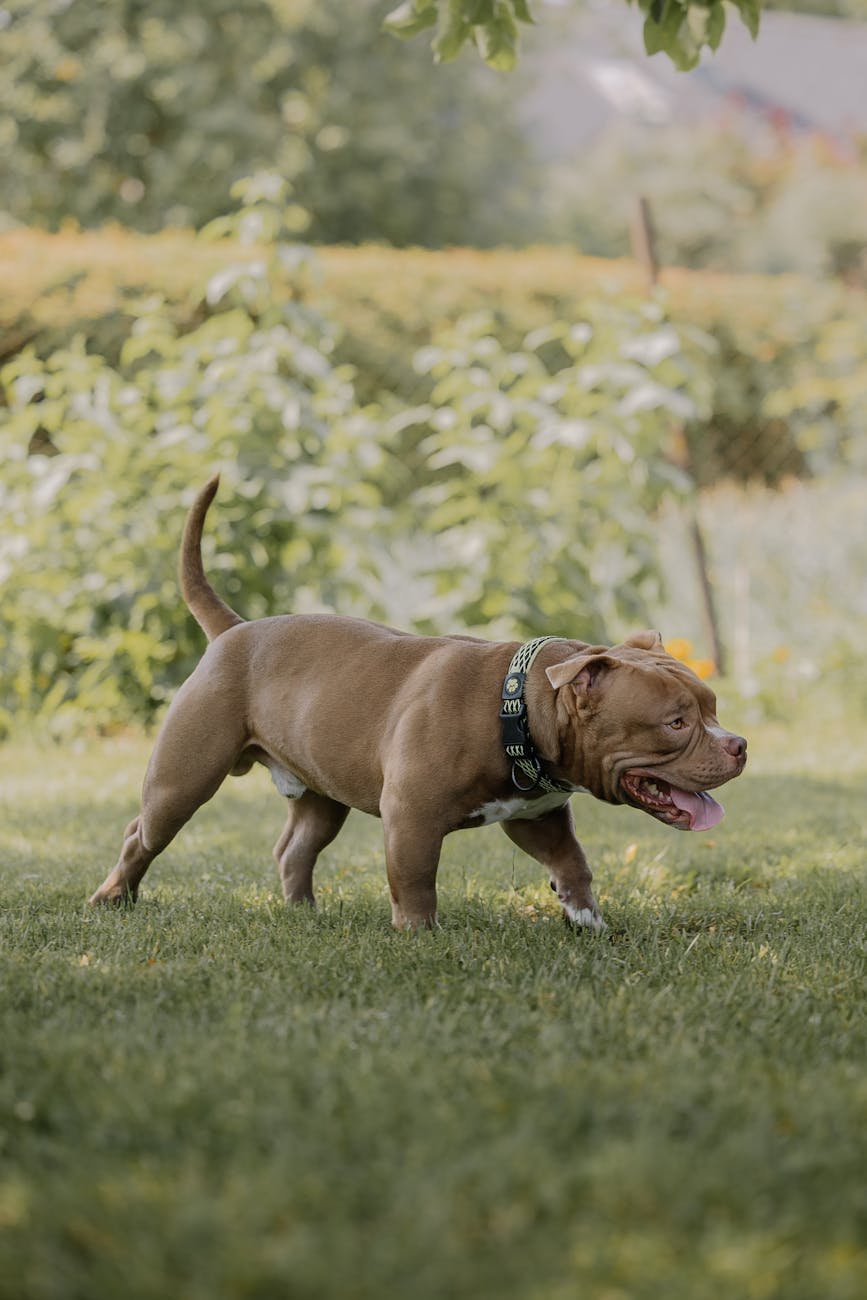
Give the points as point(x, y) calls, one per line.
point(586, 918)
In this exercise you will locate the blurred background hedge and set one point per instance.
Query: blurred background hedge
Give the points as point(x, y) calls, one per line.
point(512, 440)
point(787, 393)
point(145, 115)
point(485, 440)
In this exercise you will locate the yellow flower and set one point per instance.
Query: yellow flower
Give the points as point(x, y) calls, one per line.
point(703, 668)
point(679, 648)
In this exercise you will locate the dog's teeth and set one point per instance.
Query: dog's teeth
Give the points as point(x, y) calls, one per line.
point(656, 792)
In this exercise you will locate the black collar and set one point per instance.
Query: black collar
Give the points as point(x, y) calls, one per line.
point(516, 730)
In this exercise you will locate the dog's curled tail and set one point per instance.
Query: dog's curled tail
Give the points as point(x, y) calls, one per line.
point(211, 613)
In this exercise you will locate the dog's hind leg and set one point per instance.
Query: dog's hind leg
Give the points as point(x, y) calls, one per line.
point(312, 823)
point(199, 744)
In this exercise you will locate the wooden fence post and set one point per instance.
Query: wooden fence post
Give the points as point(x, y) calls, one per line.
point(643, 240)
point(643, 237)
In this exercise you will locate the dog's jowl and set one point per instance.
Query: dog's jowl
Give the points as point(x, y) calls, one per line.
point(432, 734)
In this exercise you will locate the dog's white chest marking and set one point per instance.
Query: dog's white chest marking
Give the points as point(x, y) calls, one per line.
point(518, 809)
point(286, 782)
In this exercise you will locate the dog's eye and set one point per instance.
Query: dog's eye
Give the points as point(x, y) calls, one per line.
point(677, 724)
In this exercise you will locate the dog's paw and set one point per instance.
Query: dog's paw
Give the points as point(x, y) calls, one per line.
point(117, 896)
point(584, 918)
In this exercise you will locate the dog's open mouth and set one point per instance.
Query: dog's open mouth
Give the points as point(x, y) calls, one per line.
point(687, 809)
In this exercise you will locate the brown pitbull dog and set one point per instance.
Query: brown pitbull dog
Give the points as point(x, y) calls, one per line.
point(432, 734)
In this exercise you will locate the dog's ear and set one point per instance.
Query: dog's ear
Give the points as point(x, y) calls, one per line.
point(645, 641)
point(582, 671)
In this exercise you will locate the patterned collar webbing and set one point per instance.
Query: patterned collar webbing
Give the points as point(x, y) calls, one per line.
point(516, 731)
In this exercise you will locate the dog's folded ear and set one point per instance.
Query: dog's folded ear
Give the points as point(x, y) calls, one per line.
point(645, 641)
point(582, 671)
point(585, 670)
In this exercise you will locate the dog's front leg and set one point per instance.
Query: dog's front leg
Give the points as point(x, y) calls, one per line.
point(551, 841)
point(412, 854)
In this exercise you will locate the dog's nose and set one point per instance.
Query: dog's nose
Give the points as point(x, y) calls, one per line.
point(736, 746)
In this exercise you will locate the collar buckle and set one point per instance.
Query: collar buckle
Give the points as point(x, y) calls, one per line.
point(515, 732)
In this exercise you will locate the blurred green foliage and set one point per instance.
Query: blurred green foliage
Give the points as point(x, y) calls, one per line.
point(326, 501)
point(495, 476)
point(99, 460)
point(143, 112)
point(787, 378)
point(140, 113)
point(679, 28)
point(721, 198)
point(543, 464)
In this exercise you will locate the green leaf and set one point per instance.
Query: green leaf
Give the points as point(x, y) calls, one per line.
point(496, 53)
point(410, 18)
point(449, 43)
point(750, 11)
point(653, 42)
point(497, 39)
point(663, 33)
point(716, 22)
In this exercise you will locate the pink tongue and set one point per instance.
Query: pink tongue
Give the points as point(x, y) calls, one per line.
point(703, 811)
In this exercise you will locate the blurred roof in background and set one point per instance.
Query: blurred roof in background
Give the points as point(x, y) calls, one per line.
point(589, 70)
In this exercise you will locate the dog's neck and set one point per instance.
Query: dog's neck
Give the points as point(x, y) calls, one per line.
point(527, 774)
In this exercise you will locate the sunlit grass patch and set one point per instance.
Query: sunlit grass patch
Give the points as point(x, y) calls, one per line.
point(214, 1096)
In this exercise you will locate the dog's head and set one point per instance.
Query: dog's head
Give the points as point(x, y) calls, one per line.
point(639, 727)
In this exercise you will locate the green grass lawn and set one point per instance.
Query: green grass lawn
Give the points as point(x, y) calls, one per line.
point(212, 1096)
